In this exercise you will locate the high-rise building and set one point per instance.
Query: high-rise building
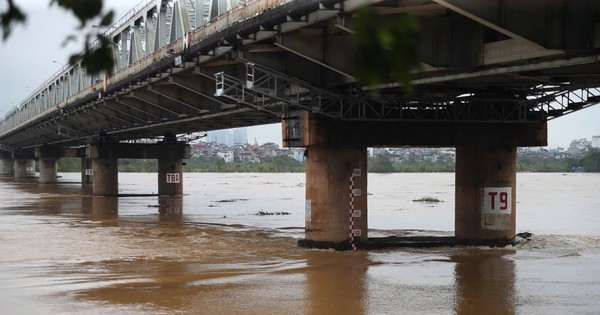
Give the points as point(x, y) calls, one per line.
point(240, 136)
point(221, 137)
point(228, 137)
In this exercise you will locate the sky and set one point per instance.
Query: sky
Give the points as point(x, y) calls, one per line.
point(35, 52)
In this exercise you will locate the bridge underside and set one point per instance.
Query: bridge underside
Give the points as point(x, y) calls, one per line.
point(477, 65)
point(489, 81)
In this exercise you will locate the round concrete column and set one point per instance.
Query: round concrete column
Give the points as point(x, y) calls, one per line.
point(6, 167)
point(329, 172)
point(30, 168)
point(485, 193)
point(106, 177)
point(47, 170)
point(87, 172)
point(20, 168)
point(170, 177)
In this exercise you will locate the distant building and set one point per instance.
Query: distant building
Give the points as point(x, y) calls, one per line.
point(221, 137)
point(596, 142)
point(578, 146)
point(298, 154)
point(228, 137)
point(227, 156)
point(240, 136)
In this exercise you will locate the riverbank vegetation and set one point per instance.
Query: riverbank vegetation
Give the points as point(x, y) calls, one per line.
point(589, 162)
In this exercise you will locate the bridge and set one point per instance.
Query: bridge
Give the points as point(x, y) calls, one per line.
point(492, 74)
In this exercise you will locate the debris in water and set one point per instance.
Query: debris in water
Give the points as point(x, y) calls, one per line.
point(231, 200)
point(271, 213)
point(427, 199)
point(525, 235)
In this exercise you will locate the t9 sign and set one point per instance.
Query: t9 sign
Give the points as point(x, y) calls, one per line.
point(496, 200)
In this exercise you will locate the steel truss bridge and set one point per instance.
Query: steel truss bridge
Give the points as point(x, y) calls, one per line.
point(199, 65)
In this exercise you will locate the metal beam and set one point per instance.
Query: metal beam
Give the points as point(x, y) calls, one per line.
point(156, 101)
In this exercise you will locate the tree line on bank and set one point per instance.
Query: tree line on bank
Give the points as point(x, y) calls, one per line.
point(589, 162)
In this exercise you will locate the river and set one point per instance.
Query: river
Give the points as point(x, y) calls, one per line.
point(63, 251)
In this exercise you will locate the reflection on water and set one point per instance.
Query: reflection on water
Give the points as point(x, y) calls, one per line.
point(484, 283)
point(105, 209)
point(170, 206)
point(207, 252)
point(336, 283)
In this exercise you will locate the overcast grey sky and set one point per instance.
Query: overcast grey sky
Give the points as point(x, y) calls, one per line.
point(34, 52)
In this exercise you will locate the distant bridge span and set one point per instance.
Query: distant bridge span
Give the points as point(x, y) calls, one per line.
point(493, 73)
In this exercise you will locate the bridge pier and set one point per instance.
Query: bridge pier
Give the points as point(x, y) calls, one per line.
point(6, 163)
point(170, 177)
point(48, 157)
point(106, 176)
point(48, 173)
point(485, 206)
point(105, 157)
point(87, 171)
point(24, 167)
point(6, 167)
point(332, 174)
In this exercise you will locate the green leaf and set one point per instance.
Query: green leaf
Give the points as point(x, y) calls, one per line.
point(70, 38)
point(386, 48)
point(98, 60)
point(83, 10)
point(107, 19)
point(13, 15)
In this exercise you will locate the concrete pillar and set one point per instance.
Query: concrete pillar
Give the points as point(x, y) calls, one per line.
point(485, 206)
point(329, 170)
point(30, 168)
point(87, 171)
point(170, 177)
point(47, 170)
point(106, 177)
point(20, 168)
point(6, 167)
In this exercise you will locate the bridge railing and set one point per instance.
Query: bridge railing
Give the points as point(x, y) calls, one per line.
point(54, 90)
point(70, 83)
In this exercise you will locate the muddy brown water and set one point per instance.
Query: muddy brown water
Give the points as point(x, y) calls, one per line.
point(65, 252)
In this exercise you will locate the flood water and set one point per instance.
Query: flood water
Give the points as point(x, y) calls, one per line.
point(65, 252)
